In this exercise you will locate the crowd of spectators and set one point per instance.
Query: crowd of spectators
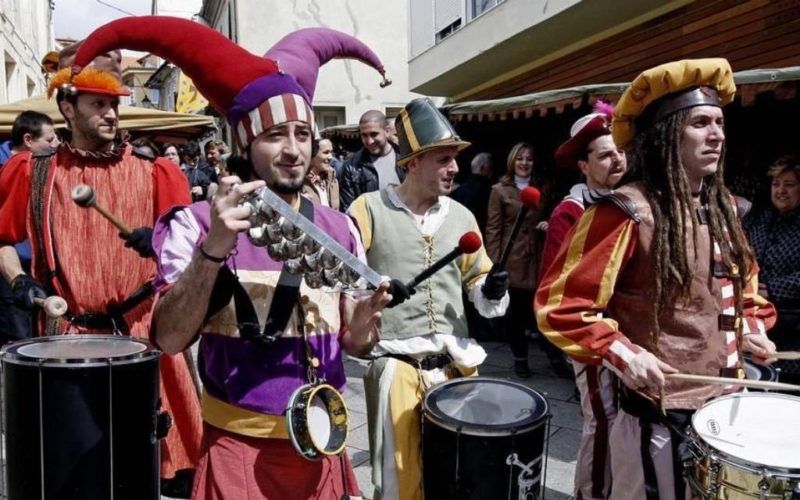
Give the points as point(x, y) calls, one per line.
point(491, 195)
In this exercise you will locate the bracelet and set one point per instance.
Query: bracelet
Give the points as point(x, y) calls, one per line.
point(218, 260)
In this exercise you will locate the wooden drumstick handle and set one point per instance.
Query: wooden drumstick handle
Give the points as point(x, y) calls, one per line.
point(54, 306)
point(755, 384)
point(790, 355)
point(84, 196)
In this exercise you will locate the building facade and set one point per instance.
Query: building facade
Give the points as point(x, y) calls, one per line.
point(345, 89)
point(26, 35)
point(164, 80)
point(487, 49)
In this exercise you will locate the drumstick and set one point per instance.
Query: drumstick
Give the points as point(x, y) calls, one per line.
point(791, 355)
point(54, 306)
point(83, 196)
point(755, 384)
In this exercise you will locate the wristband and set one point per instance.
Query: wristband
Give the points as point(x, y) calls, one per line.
point(217, 260)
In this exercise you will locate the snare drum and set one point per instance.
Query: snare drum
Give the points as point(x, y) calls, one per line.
point(484, 438)
point(80, 418)
point(746, 445)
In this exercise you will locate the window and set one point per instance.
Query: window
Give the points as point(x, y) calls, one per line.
point(328, 116)
point(11, 77)
point(31, 87)
point(478, 7)
point(448, 30)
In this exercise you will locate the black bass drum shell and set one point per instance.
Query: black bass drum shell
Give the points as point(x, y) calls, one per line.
point(80, 418)
point(473, 430)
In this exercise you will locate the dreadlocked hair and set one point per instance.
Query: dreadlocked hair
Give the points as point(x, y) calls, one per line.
point(655, 160)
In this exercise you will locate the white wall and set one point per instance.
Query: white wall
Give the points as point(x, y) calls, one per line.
point(176, 8)
point(382, 25)
point(26, 35)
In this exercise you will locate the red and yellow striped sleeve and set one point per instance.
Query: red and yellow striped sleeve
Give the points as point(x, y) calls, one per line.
point(759, 314)
point(575, 290)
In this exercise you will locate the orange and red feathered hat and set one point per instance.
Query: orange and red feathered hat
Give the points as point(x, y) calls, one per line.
point(254, 93)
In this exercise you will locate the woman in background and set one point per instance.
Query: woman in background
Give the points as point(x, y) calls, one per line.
point(774, 234)
point(522, 267)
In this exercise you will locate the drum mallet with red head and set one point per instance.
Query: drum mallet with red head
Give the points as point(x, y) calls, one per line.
point(84, 196)
point(529, 197)
point(53, 306)
point(468, 243)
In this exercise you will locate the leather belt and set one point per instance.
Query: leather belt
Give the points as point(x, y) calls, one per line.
point(429, 362)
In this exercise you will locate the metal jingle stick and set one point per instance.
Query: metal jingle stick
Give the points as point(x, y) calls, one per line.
point(355, 267)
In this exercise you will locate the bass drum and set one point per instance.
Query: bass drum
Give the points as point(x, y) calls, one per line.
point(484, 438)
point(80, 418)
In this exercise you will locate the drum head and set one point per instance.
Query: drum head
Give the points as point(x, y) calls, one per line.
point(81, 349)
point(482, 405)
point(757, 428)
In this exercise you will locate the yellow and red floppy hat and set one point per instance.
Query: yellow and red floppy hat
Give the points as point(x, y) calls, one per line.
point(670, 87)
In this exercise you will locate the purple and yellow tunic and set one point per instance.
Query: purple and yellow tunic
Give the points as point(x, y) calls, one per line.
point(247, 383)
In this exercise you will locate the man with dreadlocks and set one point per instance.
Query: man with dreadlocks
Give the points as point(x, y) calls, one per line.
point(657, 277)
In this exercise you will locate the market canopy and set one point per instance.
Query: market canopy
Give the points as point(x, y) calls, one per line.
point(162, 124)
point(749, 84)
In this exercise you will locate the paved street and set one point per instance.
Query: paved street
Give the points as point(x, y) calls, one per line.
point(560, 393)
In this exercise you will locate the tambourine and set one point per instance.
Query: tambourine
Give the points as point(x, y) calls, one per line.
point(316, 420)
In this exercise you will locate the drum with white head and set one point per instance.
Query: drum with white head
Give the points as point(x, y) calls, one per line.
point(746, 445)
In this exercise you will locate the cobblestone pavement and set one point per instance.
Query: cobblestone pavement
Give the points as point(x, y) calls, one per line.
point(565, 425)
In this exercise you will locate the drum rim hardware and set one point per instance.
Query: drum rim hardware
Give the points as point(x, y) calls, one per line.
point(530, 423)
point(742, 463)
point(10, 352)
point(708, 464)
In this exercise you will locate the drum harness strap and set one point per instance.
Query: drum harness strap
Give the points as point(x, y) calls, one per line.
point(112, 319)
point(285, 300)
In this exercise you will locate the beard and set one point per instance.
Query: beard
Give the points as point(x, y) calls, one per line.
point(287, 186)
point(284, 185)
point(94, 135)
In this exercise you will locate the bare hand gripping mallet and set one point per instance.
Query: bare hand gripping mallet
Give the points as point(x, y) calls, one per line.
point(83, 195)
point(54, 306)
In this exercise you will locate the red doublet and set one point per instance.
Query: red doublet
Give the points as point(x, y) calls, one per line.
point(93, 268)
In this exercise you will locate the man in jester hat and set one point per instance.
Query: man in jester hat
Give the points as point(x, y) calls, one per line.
point(247, 380)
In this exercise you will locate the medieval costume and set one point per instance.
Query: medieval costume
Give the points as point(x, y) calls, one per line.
point(595, 383)
point(596, 299)
point(248, 379)
point(423, 340)
point(80, 256)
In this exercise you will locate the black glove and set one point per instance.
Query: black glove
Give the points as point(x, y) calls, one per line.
point(25, 289)
point(399, 292)
point(496, 284)
point(141, 240)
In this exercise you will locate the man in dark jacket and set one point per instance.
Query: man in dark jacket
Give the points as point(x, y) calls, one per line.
point(199, 174)
point(474, 193)
point(374, 166)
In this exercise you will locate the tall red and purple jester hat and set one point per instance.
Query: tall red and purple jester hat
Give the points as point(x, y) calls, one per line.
point(253, 93)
